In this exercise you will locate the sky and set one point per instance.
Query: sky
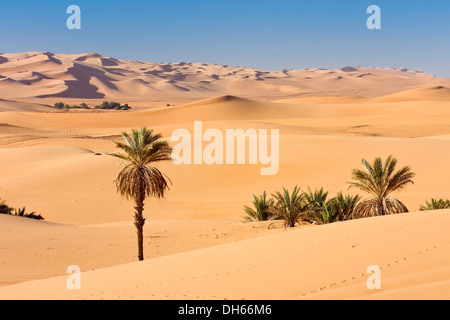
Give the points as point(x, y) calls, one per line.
point(263, 34)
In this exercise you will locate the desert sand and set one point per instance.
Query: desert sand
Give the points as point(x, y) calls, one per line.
point(56, 163)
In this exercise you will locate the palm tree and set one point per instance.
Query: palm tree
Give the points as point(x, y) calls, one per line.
point(320, 211)
point(380, 181)
point(262, 211)
point(290, 208)
point(345, 205)
point(139, 179)
point(435, 205)
point(316, 199)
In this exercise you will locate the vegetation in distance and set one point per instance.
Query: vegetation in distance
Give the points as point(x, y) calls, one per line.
point(379, 179)
point(5, 209)
point(112, 105)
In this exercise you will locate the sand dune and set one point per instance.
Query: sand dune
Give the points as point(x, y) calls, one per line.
point(323, 262)
point(90, 76)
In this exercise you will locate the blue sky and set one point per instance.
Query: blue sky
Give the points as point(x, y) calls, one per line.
point(265, 34)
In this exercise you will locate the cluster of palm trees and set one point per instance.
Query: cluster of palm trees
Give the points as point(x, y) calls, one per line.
point(378, 179)
point(139, 180)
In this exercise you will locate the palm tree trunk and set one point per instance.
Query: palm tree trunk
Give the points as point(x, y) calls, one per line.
point(139, 222)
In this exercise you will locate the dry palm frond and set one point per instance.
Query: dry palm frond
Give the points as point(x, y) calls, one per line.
point(378, 207)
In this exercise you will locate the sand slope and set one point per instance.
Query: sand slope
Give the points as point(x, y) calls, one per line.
point(319, 262)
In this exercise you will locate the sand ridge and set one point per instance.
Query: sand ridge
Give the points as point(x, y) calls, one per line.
point(52, 77)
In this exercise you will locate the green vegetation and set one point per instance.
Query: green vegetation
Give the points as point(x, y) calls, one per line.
point(263, 209)
point(435, 204)
point(379, 179)
point(290, 207)
point(5, 209)
point(139, 179)
point(112, 106)
point(104, 106)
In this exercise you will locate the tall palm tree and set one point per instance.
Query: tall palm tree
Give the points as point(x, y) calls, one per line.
point(139, 179)
point(380, 181)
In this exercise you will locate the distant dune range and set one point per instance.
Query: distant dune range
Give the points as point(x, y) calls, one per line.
point(55, 163)
point(50, 77)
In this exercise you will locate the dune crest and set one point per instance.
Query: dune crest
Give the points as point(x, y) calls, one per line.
point(47, 75)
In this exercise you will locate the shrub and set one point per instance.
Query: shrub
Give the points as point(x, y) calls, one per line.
point(4, 208)
point(291, 208)
point(435, 204)
point(263, 209)
point(32, 215)
point(345, 205)
point(59, 105)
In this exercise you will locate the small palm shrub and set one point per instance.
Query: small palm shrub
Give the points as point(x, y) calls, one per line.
point(5, 209)
point(263, 209)
point(435, 204)
point(325, 214)
point(345, 205)
point(290, 207)
point(316, 199)
point(325, 211)
point(32, 215)
point(380, 180)
point(320, 211)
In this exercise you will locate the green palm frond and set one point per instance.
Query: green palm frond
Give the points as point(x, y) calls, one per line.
point(290, 207)
point(262, 209)
point(316, 199)
point(435, 204)
point(345, 205)
point(139, 177)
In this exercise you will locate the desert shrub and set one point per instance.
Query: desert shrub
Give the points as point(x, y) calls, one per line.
point(435, 204)
point(5, 209)
point(32, 215)
point(290, 207)
point(263, 209)
point(59, 105)
point(104, 106)
point(345, 205)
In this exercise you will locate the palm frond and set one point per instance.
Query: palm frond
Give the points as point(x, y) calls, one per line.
point(380, 180)
point(263, 209)
point(378, 207)
point(290, 207)
point(435, 204)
